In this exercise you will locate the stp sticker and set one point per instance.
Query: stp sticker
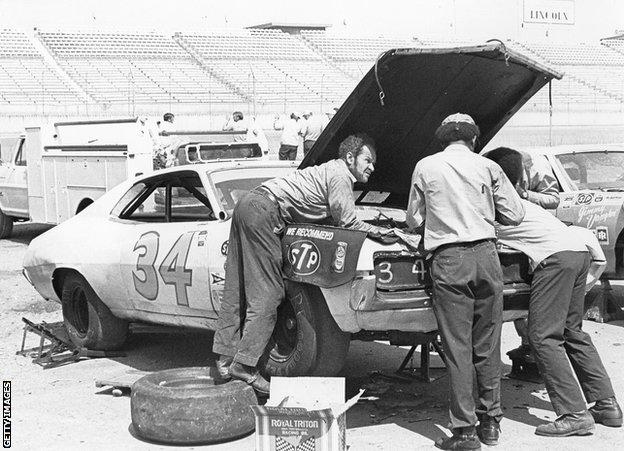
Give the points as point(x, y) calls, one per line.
point(584, 198)
point(602, 233)
point(224, 247)
point(304, 257)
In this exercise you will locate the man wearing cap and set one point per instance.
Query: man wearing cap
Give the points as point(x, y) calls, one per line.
point(312, 129)
point(289, 142)
point(457, 195)
point(560, 262)
point(254, 283)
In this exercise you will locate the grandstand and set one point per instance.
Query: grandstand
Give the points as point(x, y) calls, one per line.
point(267, 69)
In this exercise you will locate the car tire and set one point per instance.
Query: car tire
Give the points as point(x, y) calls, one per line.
point(306, 340)
point(89, 323)
point(184, 406)
point(6, 225)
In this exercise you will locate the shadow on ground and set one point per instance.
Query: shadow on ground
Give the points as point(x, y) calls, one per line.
point(421, 407)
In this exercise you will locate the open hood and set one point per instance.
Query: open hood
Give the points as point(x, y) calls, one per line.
point(402, 100)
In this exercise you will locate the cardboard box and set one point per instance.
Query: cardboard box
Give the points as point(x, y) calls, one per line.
point(304, 414)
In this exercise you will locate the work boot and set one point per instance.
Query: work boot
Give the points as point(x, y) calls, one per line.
point(463, 438)
point(488, 430)
point(607, 412)
point(578, 423)
point(251, 376)
point(223, 365)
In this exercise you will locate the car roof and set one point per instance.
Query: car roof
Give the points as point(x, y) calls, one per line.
point(573, 148)
point(220, 165)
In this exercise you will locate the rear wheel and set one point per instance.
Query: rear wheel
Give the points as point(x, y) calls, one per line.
point(306, 339)
point(6, 225)
point(90, 323)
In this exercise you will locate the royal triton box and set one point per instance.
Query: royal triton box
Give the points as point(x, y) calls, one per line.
point(304, 414)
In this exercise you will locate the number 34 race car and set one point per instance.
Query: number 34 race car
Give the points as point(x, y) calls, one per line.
point(153, 248)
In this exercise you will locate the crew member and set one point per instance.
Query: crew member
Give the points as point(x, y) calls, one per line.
point(290, 136)
point(312, 129)
point(538, 185)
point(254, 284)
point(458, 194)
point(236, 122)
point(560, 260)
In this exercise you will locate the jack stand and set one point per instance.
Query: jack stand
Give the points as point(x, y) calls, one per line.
point(60, 346)
point(523, 366)
point(426, 342)
point(605, 306)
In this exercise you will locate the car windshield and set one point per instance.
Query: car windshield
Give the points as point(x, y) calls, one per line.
point(231, 185)
point(595, 170)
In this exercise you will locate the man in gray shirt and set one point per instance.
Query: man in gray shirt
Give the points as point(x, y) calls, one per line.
point(458, 194)
point(254, 283)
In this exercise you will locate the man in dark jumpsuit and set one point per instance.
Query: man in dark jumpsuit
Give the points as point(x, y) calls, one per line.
point(254, 283)
point(564, 352)
point(458, 194)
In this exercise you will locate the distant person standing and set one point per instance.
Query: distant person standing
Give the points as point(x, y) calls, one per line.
point(312, 129)
point(236, 123)
point(289, 142)
point(256, 134)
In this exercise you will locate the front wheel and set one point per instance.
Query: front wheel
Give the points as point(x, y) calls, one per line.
point(89, 322)
point(306, 339)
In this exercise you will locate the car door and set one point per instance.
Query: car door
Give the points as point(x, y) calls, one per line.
point(166, 249)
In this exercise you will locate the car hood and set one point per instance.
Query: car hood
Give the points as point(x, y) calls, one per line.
point(402, 100)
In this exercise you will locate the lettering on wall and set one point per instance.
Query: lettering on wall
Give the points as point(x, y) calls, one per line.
point(549, 11)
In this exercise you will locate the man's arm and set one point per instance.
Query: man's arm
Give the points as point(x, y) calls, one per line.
point(342, 206)
point(228, 126)
point(543, 188)
point(508, 207)
point(416, 210)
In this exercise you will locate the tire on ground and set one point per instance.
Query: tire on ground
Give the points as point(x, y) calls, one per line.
point(6, 225)
point(184, 406)
point(306, 340)
point(90, 323)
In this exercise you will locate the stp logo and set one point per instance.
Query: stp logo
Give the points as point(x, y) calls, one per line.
point(304, 257)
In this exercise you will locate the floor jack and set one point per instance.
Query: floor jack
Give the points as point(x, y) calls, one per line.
point(60, 350)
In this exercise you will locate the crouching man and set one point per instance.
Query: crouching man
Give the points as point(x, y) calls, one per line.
point(254, 283)
point(560, 260)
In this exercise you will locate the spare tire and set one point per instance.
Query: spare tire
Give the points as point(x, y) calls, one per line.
point(186, 406)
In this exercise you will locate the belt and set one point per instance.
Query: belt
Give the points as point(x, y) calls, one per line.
point(266, 193)
point(464, 244)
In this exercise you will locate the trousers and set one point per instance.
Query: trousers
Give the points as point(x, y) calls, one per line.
point(468, 304)
point(287, 152)
point(555, 320)
point(254, 283)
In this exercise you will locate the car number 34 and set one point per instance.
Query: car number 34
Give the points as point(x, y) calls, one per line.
point(400, 272)
point(172, 270)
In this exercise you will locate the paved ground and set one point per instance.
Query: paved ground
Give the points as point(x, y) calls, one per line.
point(62, 409)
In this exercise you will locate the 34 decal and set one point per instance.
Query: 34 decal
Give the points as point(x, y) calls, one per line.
point(172, 270)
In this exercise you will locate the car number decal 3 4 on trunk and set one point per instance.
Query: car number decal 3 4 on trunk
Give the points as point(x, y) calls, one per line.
point(172, 270)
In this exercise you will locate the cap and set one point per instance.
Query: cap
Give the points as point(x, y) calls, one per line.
point(457, 127)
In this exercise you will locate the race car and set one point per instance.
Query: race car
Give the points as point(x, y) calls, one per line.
point(153, 249)
point(591, 181)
